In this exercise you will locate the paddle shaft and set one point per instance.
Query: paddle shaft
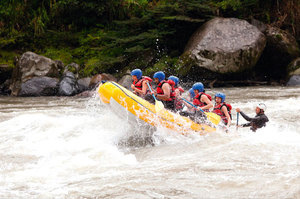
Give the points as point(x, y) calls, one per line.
point(151, 91)
point(237, 120)
point(192, 104)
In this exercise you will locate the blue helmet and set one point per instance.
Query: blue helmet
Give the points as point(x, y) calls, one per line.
point(192, 93)
point(137, 72)
point(159, 75)
point(198, 86)
point(221, 95)
point(174, 79)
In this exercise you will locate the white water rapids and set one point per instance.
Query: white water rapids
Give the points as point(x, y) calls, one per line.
point(53, 147)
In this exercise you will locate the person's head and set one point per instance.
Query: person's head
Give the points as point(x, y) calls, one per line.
point(192, 93)
point(159, 76)
point(220, 97)
point(260, 108)
point(136, 74)
point(174, 79)
point(198, 87)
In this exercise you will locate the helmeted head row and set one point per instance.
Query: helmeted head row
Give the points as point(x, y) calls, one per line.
point(137, 72)
point(159, 75)
point(222, 96)
point(198, 86)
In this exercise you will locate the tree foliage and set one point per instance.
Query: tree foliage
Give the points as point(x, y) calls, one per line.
point(109, 36)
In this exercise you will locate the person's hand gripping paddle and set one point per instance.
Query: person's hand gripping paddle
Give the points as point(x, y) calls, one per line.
point(214, 118)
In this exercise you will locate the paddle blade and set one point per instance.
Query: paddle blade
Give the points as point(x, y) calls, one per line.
point(214, 118)
point(158, 106)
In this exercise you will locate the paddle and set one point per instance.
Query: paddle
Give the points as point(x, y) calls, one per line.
point(237, 120)
point(214, 118)
point(158, 104)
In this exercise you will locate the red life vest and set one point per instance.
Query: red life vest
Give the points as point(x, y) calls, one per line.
point(197, 100)
point(160, 91)
point(139, 84)
point(218, 110)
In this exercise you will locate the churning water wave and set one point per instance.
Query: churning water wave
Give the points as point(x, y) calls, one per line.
point(78, 148)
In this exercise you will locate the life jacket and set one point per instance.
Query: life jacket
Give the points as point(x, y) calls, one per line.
point(160, 91)
point(139, 83)
point(178, 103)
point(197, 100)
point(218, 110)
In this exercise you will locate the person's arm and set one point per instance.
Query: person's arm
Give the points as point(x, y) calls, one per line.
point(246, 117)
point(205, 99)
point(177, 93)
point(225, 111)
point(252, 119)
point(246, 125)
point(144, 87)
point(167, 90)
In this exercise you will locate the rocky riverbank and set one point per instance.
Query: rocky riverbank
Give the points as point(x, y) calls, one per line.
point(222, 52)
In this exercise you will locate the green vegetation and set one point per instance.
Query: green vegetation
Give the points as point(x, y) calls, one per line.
point(111, 36)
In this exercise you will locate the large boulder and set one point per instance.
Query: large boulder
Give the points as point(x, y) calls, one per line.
point(39, 86)
point(31, 65)
point(68, 85)
point(281, 49)
point(226, 45)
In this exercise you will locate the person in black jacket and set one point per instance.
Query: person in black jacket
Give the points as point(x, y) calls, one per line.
point(258, 121)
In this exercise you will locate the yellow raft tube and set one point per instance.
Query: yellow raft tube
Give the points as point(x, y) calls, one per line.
point(113, 93)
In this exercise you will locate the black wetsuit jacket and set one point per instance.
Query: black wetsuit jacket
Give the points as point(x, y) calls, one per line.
point(258, 121)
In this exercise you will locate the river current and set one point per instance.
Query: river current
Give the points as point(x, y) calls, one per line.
point(58, 147)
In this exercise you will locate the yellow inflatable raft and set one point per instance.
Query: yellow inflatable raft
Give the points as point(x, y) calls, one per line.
point(135, 107)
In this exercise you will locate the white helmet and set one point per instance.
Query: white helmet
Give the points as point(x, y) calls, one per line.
point(262, 106)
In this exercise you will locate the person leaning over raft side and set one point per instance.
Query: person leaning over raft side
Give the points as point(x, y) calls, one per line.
point(259, 120)
point(176, 91)
point(189, 110)
point(164, 90)
point(202, 100)
point(139, 85)
point(222, 109)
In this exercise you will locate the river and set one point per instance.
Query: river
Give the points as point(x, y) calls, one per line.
point(58, 147)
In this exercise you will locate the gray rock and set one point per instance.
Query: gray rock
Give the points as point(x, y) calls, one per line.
point(294, 81)
point(282, 42)
point(126, 81)
point(39, 86)
point(31, 65)
point(68, 85)
point(84, 83)
point(280, 51)
point(226, 45)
